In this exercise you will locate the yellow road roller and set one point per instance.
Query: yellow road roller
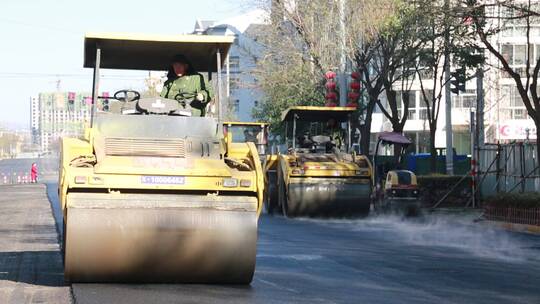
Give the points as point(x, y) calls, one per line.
point(319, 175)
point(151, 193)
point(395, 189)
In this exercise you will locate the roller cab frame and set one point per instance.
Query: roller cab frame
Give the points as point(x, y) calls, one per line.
point(243, 132)
point(318, 176)
point(150, 193)
point(395, 190)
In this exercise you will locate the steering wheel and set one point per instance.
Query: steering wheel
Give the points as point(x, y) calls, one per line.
point(185, 98)
point(128, 95)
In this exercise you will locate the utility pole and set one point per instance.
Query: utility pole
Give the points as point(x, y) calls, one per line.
point(448, 97)
point(479, 132)
point(343, 60)
point(480, 106)
point(474, 160)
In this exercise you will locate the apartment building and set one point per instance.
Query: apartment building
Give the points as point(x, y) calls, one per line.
point(241, 89)
point(505, 116)
point(58, 114)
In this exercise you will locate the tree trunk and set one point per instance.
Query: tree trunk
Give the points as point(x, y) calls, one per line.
point(365, 130)
point(365, 136)
point(397, 147)
point(537, 124)
point(432, 150)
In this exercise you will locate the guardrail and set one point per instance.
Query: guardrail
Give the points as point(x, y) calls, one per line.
point(525, 216)
point(13, 178)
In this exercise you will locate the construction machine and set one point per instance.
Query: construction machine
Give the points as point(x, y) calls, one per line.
point(319, 175)
point(395, 189)
point(151, 193)
point(243, 132)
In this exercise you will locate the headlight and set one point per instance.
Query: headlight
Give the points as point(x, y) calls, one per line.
point(245, 183)
point(230, 182)
point(80, 179)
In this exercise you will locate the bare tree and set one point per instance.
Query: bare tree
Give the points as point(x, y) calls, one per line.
point(491, 17)
point(305, 37)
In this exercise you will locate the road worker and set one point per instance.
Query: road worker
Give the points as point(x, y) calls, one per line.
point(187, 86)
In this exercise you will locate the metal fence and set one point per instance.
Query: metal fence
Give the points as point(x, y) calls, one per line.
point(10, 178)
point(510, 167)
point(523, 216)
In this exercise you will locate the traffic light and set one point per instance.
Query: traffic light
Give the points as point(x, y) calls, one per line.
point(457, 82)
point(71, 98)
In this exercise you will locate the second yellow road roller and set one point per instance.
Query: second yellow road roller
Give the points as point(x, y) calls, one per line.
point(318, 174)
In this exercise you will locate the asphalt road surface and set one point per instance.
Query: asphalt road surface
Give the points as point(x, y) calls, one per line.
point(31, 268)
point(441, 258)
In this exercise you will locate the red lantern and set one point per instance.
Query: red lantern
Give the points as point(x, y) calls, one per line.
point(355, 75)
point(330, 75)
point(331, 96)
point(352, 104)
point(353, 96)
point(355, 85)
point(331, 104)
point(330, 86)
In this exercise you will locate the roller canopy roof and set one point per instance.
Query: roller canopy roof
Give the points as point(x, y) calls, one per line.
point(312, 113)
point(154, 52)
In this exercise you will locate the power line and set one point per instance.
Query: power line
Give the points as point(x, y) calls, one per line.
point(41, 26)
point(23, 75)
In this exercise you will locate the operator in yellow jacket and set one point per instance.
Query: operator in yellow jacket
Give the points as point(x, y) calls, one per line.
point(187, 86)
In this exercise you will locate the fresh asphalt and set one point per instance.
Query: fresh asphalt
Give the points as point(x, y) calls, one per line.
point(440, 258)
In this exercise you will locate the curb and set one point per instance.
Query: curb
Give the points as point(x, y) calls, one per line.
point(522, 228)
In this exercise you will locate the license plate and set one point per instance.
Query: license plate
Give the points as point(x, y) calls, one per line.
point(163, 180)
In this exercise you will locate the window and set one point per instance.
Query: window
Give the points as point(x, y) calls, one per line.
point(234, 62)
point(428, 98)
point(236, 40)
point(236, 106)
point(423, 114)
point(519, 113)
point(507, 53)
point(468, 101)
point(520, 54)
point(412, 114)
point(234, 82)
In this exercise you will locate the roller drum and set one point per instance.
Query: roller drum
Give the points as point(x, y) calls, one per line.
point(328, 197)
point(157, 238)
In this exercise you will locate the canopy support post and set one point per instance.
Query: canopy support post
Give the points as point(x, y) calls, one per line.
point(95, 85)
point(294, 133)
point(219, 94)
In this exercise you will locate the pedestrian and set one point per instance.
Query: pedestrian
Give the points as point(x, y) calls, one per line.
point(33, 173)
point(184, 83)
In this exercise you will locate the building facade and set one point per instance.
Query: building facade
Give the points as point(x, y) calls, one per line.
point(58, 114)
point(241, 90)
point(505, 116)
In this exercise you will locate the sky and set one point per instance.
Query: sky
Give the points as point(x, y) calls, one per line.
point(42, 43)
